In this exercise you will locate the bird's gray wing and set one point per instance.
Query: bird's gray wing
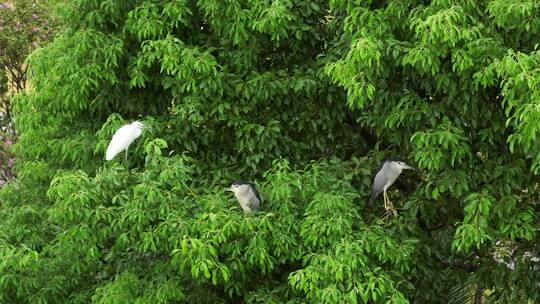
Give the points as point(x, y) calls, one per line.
point(254, 202)
point(378, 184)
point(255, 191)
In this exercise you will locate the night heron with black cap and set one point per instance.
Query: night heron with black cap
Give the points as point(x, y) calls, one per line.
point(247, 195)
point(385, 176)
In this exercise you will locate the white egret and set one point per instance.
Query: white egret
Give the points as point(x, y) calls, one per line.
point(123, 138)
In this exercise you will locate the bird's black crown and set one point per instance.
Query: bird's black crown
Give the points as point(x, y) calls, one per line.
point(393, 159)
point(241, 183)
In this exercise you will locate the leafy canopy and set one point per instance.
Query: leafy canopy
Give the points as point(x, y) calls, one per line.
point(305, 98)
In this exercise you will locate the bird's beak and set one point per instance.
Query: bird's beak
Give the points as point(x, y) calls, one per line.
point(228, 189)
point(409, 167)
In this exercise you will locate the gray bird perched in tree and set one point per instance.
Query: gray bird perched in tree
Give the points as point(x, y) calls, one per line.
point(385, 176)
point(247, 195)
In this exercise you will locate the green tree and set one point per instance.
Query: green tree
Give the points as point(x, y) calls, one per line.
point(306, 98)
point(24, 25)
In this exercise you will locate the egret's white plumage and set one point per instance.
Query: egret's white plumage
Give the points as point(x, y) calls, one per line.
point(123, 138)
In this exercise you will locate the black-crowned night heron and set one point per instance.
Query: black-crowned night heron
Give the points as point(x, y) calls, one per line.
point(385, 176)
point(247, 196)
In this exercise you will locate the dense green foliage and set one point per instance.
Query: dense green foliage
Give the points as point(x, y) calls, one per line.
point(305, 98)
point(24, 25)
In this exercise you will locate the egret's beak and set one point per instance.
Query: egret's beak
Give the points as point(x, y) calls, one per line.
point(228, 189)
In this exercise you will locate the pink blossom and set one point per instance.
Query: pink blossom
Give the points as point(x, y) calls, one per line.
point(11, 161)
point(34, 16)
point(8, 143)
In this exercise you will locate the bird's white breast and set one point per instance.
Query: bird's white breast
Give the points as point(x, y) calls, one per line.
point(247, 198)
point(122, 139)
